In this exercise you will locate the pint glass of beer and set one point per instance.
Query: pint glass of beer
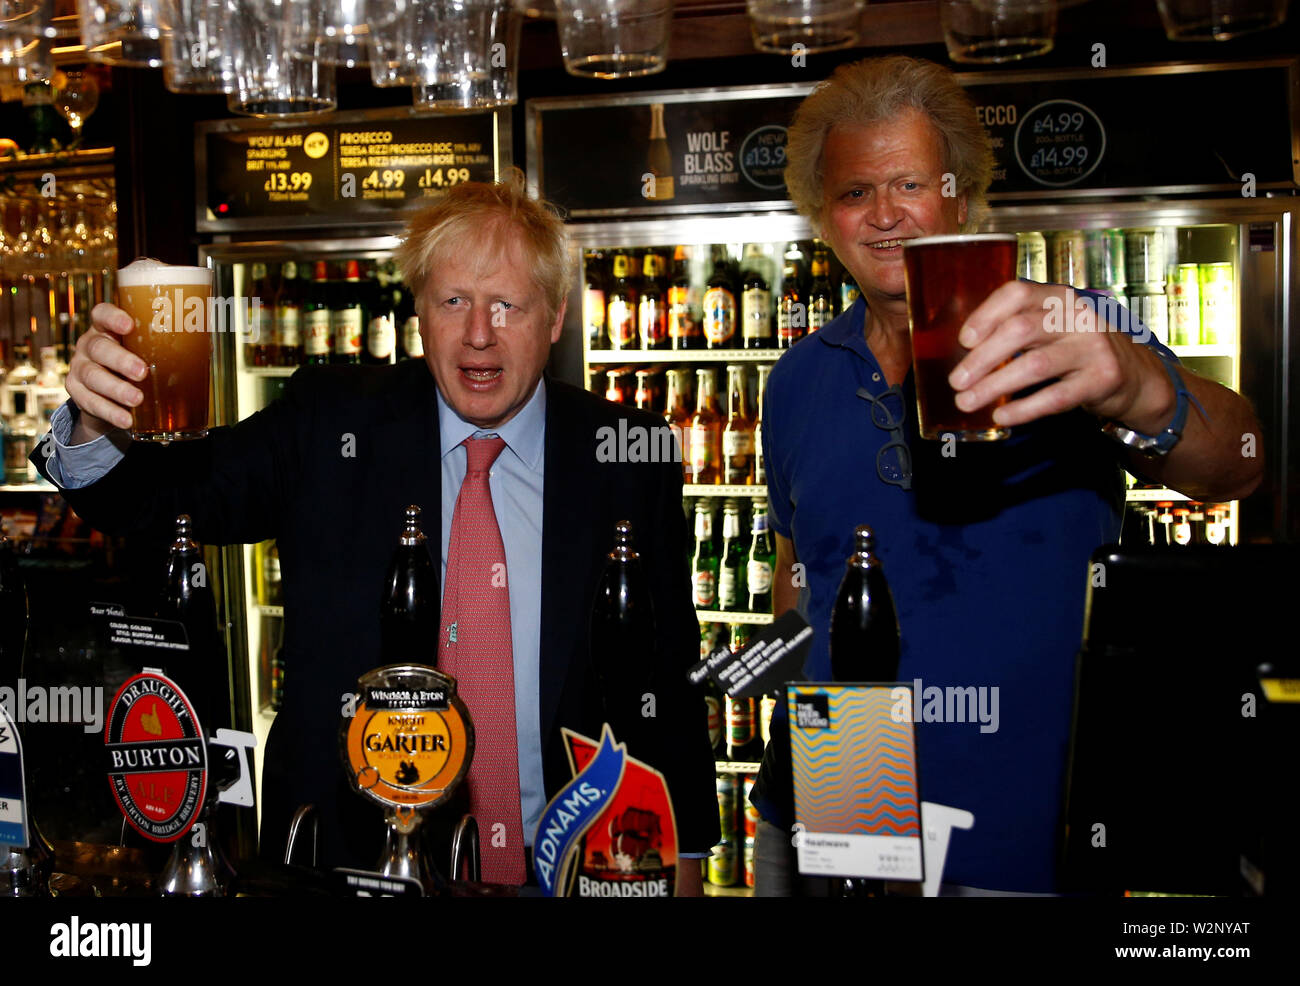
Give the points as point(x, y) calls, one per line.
point(947, 278)
point(170, 306)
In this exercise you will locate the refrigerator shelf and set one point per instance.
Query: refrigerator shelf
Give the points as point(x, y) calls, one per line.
point(724, 616)
point(718, 489)
point(713, 890)
point(602, 357)
point(1183, 351)
point(735, 767)
point(1151, 496)
point(269, 371)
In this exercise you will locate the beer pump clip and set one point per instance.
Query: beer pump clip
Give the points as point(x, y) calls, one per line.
point(155, 741)
point(406, 746)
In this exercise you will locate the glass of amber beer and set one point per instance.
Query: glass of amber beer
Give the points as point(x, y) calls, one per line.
point(947, 278)
point(170, 306)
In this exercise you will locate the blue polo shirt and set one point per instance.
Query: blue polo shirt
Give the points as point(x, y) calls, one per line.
point(987, 558)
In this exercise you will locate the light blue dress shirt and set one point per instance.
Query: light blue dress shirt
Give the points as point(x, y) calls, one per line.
point(75, 466)
point(516, 483)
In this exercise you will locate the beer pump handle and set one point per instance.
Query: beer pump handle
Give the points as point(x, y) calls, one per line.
point(464, 848)
point(305, 815)
point(240, 790)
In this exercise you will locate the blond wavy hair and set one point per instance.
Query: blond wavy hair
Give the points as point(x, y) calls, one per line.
point(873, 90)
point(484, 217)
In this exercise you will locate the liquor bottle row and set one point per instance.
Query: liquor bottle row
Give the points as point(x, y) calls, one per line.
point(715, 447)
point(1163, 275)
point(268, 590)
point(323, 311)
point(633, 299)
point(268, 586)
point(1176, 523)
point(732, 862)
point(733, 575)
point(48, 309)
point(28, 397)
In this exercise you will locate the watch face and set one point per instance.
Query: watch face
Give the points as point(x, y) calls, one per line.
point(1136, 441)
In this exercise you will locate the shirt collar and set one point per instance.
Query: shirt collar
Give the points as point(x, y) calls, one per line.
point(524, 433)
point(848, 331)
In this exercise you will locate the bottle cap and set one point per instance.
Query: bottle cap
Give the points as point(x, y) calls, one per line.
point(411, 533)
point(623, 550)
point(864, 548)
point(184, 540)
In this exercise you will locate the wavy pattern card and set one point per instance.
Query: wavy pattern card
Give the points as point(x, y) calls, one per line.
point(855, 777)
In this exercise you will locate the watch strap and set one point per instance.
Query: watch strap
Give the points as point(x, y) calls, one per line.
point(1162, 443)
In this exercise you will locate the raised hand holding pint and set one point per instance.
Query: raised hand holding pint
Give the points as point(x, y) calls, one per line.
point(170, 308)
point(947, 278)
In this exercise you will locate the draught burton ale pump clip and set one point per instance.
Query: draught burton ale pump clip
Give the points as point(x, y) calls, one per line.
point(167, 772)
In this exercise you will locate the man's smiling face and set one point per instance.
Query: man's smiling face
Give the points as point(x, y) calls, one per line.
point(883, 184)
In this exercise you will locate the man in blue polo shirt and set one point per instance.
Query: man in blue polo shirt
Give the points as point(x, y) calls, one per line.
point(985, 547)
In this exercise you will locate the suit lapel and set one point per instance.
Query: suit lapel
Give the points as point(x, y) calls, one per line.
point(566, 550)
point(408, 445)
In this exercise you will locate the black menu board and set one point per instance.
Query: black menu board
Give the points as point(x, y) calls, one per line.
point(345, 169)
point(1167, 128)
point(718, 149)
point(1174, 128)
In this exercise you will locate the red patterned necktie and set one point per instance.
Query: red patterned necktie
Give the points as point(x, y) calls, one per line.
point(475, 647)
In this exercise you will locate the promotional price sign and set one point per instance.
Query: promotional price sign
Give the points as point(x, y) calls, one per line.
point(357, 167)
point(610, 832)
point(1175, 126)
point(675, 152)
point(723, 149)
point(1059, 143)
point(157, 756)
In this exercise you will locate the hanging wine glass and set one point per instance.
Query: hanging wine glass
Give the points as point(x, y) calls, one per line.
point(6, 243)
point(60, 231)
point(37, 19)
point(92, 245)
point(28, 251)
point(76, 100)
point(108, 235)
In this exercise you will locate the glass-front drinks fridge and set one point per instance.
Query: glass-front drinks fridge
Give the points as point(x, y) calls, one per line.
point(300, 223)
point(695, 275)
